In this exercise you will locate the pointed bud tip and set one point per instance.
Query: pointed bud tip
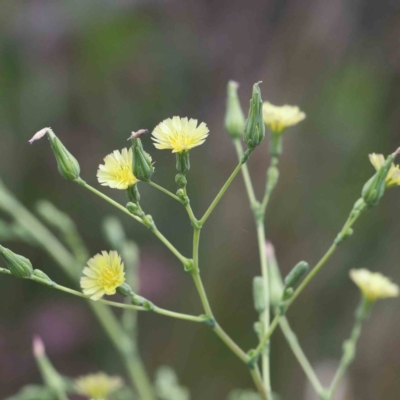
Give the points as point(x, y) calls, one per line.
point(269, 249)
point(38, 135)
point(38, 347)
point(233, 84)
point(138, 134)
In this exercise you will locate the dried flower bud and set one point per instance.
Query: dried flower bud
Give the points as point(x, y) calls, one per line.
point(67, 164)
point(18, 265)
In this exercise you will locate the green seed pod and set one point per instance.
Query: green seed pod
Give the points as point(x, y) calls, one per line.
point(374, 189)
point(142, 166)
point(181, 181)
point(125, 290)
point(234, 117)
point(183, 162)
point(258, 294)
point(67, 164)
point(296, 274)
point(254, 130)
point(18, 265)
point(133, 194)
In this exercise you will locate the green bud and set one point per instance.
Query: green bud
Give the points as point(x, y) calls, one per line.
point(133, 194)
point(40, 274)
point(296, 274)
point(275, 144)
point(254, 130)
point(258, 294)
point(374, 189)
point(18, 265)
point(183, 162)
point(182, 196)
point(234, 117)
point(273, 176)
point(67, 164)
point(181, 181)
point(287, 293)
point(135, 209)
point(142, 166)
point(125, 290)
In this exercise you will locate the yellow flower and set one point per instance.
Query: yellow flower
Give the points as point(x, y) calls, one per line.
point(117, 170)
point(179, 134)
point(97, 386)
point(278, 118)
point(393, 176)
point(374, 285)
point(104, 273)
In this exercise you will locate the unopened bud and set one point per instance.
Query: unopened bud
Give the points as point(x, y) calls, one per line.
point(296, 274)
point(18, 265)
point(183, 162)
point(254, 130)
point(273, 176)
point(135, 209)
point(125, 290)
point(234, 117)
point(181, 181)
point(374, 189)
point(67, 164)
point(45, 279)
point(142, 164)
point(259, 294)
point(133, 194)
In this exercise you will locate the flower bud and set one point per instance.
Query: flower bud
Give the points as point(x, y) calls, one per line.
point(183, 162)
point(67, 164)
point(273, 176)
point(44, 277)
point(374, 189)
point(181, 181)
point(142, 167)
point(254, 130)
point(125, 290)
point(234, 118)
point(296, 274)
point(259, 294)
point(18, 265)
point(135, 209)
point(133, 194)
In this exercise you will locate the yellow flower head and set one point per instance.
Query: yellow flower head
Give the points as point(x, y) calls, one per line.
point(278, 118)
point(374, 285)
point(117, 170)
point(97, 386)
point(104, 273)
point(179, 134)
point(393, 176)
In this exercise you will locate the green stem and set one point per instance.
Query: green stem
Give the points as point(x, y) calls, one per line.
point(166, 191)
point(72, 268)
point(349, 223)
point(349, 347)
point(255, 374)
point(270, 185)
point(220, 194)
point(265, 315)
point(293, 342)
point(185, 261)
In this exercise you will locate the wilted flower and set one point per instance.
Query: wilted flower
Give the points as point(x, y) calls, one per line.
point(374, 285)
point(179, 134)
point(104, 273)
point(97, 386)
point(278, 118)
point(117, 170)
point(393, 176)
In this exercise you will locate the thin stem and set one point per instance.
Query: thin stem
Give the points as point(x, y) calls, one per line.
point(163, 239)
point(349, 223)
point(265, 315)
point(271, 184)
point(246, 174)
point(166, 191)
point(220, 194)
point(301, 357)
point(255, 374)
point(349, 347)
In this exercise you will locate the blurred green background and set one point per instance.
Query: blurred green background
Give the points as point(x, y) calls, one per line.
point(96, 70)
